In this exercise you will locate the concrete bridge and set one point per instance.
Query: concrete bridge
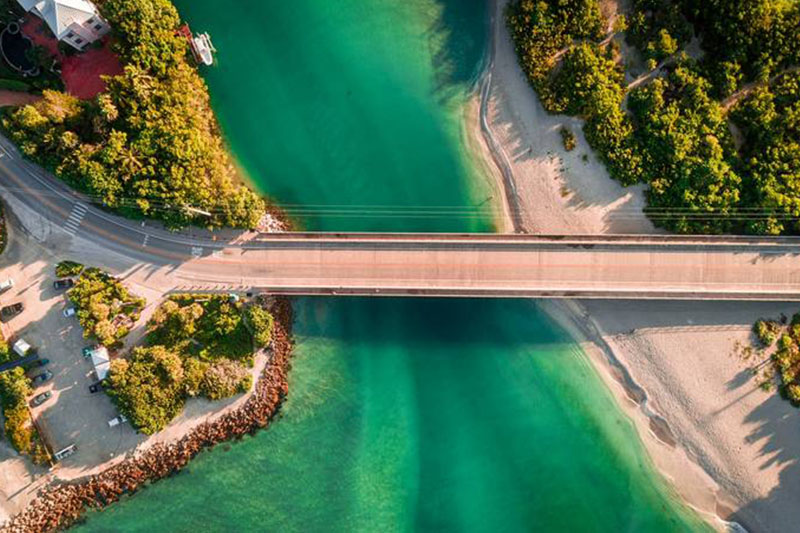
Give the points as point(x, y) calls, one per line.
point(489, 265)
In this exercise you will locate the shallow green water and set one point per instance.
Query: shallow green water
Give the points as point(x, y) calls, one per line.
point(435, 415)
point(423, 415)
point(351, 109)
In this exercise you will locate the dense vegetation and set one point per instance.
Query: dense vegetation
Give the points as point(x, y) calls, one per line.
point(105, 308)
point(784, 341)
point(148, 146)
point(15, 388)
point(713, 162)
point(541, 28)
point(197, 345)
point(756, 37)
point(67, 269)
point(769, 119)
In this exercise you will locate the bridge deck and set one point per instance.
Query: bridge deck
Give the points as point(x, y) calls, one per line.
point(673, 267)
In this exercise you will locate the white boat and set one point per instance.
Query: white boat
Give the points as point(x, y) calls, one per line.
point(203, 48)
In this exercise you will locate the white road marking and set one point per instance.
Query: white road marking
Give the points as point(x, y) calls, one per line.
point(197, 251)
point(146, 238)
point(75, 218)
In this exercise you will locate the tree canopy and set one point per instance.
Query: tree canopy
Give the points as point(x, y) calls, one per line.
point(674, 131)
point(104, 307)
point(149, 145)
point(197, 345)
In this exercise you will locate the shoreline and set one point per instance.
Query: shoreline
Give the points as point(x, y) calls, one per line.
point(692, 485)
point(558, 192)
point(60, 504)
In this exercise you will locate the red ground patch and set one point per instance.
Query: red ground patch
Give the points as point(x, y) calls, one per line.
point(80, 72)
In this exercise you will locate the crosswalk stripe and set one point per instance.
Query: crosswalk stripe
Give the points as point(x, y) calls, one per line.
point(73, 222)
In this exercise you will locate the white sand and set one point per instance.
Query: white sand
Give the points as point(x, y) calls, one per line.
point(728, 448)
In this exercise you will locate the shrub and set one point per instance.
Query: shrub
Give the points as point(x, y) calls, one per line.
point(18, 427)
point(568, 138)
point(261, 323)
point(766, 331)
point(224, 379)
point(66, 269)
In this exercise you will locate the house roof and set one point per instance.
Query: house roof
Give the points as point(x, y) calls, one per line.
point(59, 14)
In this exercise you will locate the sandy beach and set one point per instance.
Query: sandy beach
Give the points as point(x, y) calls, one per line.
point(729, 449)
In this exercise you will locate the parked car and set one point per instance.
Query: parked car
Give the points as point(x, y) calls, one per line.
point(65, 452)
point(61, 284)
point(39, 399)
point(41, 378)
point(10, 311)
point(97, 387)
point(6, 284)
point(69, 311)
point(117, 420)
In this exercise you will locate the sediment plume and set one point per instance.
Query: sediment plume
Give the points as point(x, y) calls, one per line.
point(60, 504)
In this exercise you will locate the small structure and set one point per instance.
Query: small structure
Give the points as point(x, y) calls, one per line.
point(100, 362)
point(21, 348)
point(76, 22)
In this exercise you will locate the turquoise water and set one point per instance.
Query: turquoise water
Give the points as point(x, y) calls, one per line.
point(425, 415)
point(350, 112)
point(403, 415)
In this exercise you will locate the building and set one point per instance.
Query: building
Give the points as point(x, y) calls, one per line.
point(76, 22)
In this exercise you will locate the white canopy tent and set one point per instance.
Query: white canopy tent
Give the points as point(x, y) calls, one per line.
point(101, 362)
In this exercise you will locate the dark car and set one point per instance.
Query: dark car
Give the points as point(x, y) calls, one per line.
point(11, 311)
point(41, 398)
point(41, 378)
point(61, 284)
point(97, 387)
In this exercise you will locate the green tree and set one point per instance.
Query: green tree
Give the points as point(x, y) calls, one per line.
point(261, 322)
point(148, 387)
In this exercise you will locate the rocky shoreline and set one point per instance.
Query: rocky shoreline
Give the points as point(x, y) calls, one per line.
point(60, 504)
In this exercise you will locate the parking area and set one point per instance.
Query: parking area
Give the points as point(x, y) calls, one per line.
point(73, 415)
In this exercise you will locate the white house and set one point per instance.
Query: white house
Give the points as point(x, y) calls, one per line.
point(75, 22)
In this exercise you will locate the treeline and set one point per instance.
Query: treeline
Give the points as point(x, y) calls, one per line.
point(674, 132)
point(197, 345)
point(149, 146)
point(786, 355)
point(15, 388)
